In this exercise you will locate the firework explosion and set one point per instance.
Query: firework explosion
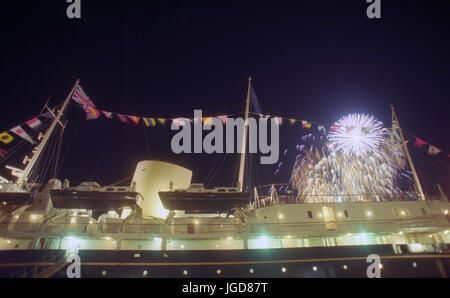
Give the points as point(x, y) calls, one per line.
point(357, 135)
point(360, 161)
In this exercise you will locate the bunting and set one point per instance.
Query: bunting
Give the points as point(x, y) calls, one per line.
point(306, 124)
point(34, 123)
point(419, 143)
point(48, 115)
point(135, 119)
point(149, 122)
point(3, 153)
point(108, 115)
point(278, 121)
point(208, 121)
point(433, 150)
point(18, 130)
point(6, 138)
point(122, 118)
point(223, 119)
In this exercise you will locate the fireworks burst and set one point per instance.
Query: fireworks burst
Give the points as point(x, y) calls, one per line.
point(357, 134)
point(360, 161)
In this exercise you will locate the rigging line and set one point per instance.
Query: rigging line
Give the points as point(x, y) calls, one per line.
point(49, 160)
point(58, 150)
point(217, 170)
point(236, 169)
point(44, 161)
point(218, 167)
point(121, 180)
point(146, 140)
point(438, 165)
point(207, 178)
point(13, 151)
point(69, 146)
point(96, 166)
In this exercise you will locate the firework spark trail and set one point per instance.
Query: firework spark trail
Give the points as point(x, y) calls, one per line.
point(335, 168)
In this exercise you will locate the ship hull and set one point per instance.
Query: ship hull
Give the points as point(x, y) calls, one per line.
point(315, 262)
point(203, 202)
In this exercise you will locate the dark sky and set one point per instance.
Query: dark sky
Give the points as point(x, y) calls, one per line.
point(313, 60)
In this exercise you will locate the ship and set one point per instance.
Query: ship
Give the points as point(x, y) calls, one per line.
point(162, 225)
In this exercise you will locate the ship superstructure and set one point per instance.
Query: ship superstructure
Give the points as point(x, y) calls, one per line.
point(119, 232)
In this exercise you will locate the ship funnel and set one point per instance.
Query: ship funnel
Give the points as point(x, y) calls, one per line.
point(153, 176)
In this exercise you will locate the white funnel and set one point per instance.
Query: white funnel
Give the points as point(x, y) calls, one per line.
point(153, 176)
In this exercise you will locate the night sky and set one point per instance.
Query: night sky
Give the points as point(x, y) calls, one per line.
point(311, 60)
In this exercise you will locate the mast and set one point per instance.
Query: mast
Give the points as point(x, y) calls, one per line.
point(244, 138)
point(408, 156)
point(38, 150)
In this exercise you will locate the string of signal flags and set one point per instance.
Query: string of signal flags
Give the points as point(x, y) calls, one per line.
point(92, 112)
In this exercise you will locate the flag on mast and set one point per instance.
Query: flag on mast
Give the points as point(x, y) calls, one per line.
point(254, 100)
point(6, 138)
point(81, 97)
point(34, 123)
point(419, 143)
point(18, 130)
point(433, 150)
point(108, 115)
